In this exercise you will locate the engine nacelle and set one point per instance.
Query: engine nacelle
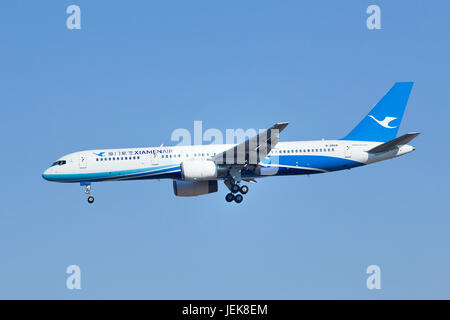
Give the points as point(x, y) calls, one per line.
point(198, 170)
point(194, 188)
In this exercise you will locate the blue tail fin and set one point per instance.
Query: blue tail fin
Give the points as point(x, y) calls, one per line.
point(383, 121)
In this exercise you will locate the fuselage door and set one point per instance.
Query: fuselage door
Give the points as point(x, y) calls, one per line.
point(83, 162)
point(155, 158)
point(348, 151)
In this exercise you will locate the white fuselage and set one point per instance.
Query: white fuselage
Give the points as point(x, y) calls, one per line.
point(295, 157)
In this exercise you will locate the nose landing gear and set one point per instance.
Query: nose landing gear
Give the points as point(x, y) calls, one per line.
point(87, 190)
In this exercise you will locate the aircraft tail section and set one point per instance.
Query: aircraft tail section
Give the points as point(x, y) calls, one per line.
point(382, 122)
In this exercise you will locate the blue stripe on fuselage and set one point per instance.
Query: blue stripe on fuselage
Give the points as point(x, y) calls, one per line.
point(148, 173)
point(315, 162)
point(301, 164)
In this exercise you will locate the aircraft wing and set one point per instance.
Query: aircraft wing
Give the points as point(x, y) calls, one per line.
point(252, 150)
point(399, 141)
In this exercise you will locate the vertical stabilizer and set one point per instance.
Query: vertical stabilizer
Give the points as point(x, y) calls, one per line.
point(382, 122)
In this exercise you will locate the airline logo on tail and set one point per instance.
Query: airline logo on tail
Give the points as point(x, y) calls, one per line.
point(385, 122)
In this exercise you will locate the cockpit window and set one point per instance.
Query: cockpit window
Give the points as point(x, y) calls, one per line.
point(59, 163)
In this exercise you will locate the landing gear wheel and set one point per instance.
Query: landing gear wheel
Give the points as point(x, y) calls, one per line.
point(234, 188)
point(238, 198)
point(229, 197)
point(243, 189)
point(91, 199)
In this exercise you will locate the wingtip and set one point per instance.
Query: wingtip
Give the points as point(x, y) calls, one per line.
point(281, 123)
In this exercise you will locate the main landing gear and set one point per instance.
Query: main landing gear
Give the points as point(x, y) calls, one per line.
point(87, 190)
point(236, 197)
point(235, 188)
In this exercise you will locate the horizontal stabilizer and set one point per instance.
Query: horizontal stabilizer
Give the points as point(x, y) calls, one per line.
point(402, 140)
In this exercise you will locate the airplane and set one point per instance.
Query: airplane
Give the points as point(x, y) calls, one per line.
point(196, 169)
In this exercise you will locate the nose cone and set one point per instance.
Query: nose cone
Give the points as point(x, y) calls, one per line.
point(47, 174)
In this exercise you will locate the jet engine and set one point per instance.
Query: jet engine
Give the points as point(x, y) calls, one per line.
point(198, 170)
point(194, 188)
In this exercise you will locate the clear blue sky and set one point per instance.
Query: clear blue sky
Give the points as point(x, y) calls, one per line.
point(138, 70)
